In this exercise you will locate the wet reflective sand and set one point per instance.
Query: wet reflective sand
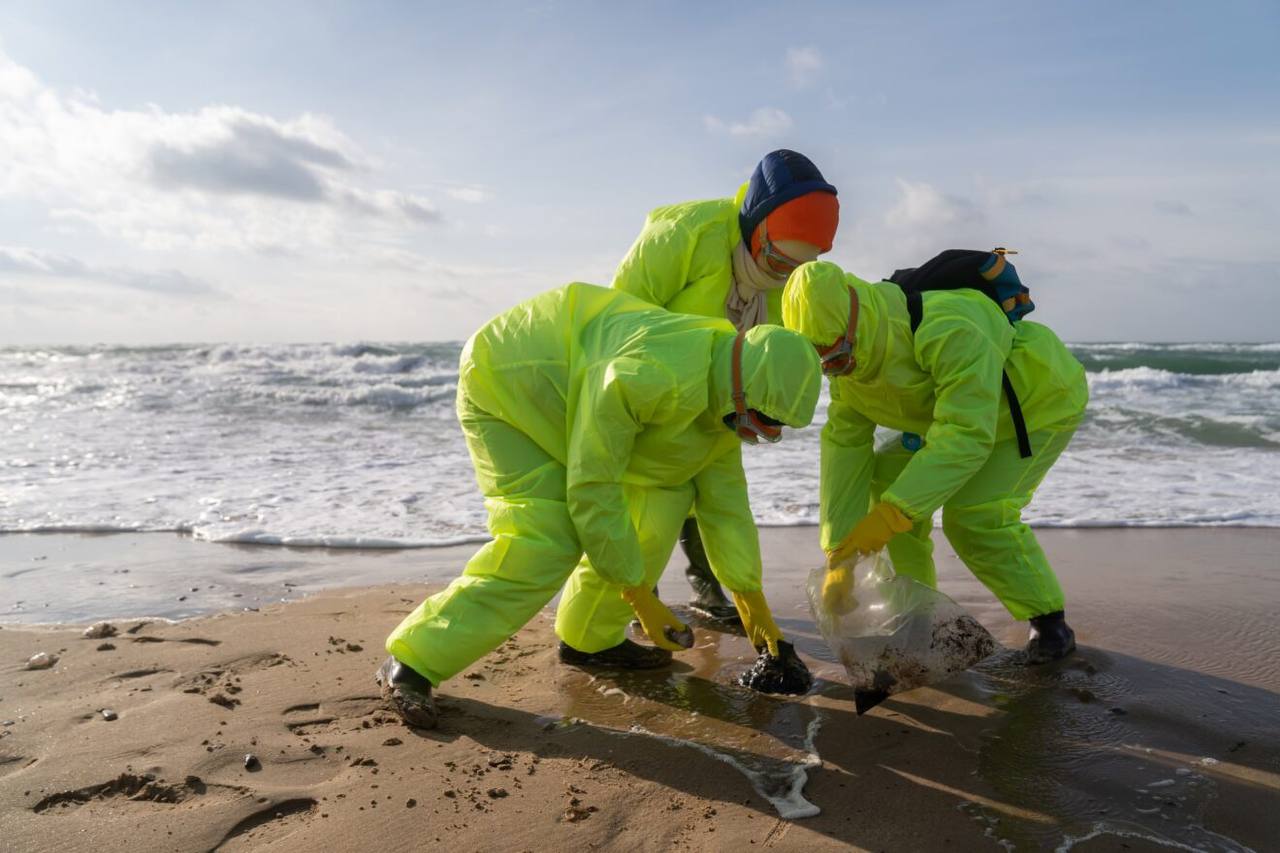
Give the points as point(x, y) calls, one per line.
point(1148, 735)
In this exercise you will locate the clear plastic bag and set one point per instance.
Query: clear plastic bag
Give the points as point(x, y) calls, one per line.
point(894, 633)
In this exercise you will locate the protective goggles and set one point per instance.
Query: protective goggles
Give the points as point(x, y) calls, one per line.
point(749, 424)
point(838, 359)
point(780, 263)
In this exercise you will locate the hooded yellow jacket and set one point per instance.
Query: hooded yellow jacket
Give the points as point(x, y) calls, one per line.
point(683, 259)
point(942, 381)
point(624, 395)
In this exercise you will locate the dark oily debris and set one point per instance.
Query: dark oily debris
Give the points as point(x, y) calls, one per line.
point(892, 672)
point(106, 647)
point(575, 812)
point(251, 762)
point(224, 700)
point(865, 700)
point(497, 793)
point(955, 643)
point(392, 741)
point(109, 715)
point(99, 631)
point(784, 674)
point(963, 640)
point(683, 639)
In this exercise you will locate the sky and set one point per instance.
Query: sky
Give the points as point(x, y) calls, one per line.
point(323, 171)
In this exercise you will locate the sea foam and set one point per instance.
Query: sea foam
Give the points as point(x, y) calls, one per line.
point(357, 445)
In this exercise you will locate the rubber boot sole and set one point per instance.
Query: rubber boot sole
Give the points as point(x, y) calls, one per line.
point(414, 705)
point(625, 655)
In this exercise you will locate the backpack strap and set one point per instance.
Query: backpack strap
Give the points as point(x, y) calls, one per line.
point(1015, 413)
point(915, 308)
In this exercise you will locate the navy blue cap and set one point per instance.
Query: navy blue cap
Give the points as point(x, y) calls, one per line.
point(780, 177)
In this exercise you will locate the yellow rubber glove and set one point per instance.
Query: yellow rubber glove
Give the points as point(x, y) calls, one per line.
point(837, 587)
point(654, 616)
point(758, 620)
point(871, 534)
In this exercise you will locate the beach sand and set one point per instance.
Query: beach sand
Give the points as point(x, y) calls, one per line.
point(1161, 732)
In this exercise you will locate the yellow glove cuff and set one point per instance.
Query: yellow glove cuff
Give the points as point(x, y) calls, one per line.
point(757, 619)
point(893, 517)
point(629, 594)
point(872, 533)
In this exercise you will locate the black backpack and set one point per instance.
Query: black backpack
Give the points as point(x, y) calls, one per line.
point(955, 269)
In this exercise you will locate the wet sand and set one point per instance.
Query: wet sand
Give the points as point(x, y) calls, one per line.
point(1161, 733)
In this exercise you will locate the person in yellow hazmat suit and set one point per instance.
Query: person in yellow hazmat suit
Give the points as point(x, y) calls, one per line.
point(730, 257)
point(595, 421)
point(984, 404)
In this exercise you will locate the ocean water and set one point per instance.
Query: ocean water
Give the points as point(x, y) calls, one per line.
point(357, 445)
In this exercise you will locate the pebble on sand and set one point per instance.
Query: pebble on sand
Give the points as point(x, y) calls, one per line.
point(251, 762)
point(109, 715)
point(41, 660)
point(99, 631)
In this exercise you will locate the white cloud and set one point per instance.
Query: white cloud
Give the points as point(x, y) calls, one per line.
point(219, 177)
point(763, 122)
point(16, 260)
point(471, 195)
point(923, 206)
point(803, 65)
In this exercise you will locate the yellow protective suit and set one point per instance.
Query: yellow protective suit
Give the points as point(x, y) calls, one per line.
point(683, 259)
point(594, 421)
point(942, 382)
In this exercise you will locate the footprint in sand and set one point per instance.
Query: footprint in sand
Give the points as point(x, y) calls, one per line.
point(261, 825)
point(13, 763)
point(128, 786)
point(309, 720)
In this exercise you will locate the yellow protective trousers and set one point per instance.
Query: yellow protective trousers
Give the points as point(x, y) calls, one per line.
point(983, 522)
point(592, 615)
point(534, 550)
point(512, 577)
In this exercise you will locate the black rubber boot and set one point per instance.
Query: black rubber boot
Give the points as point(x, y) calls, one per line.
point(408, 693)
point(625, 655)
point(1051, 638)
point(708, 599)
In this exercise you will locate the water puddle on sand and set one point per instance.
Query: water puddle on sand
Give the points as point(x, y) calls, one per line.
point(698, 704)
point(1100, 749)
point(1110, 745)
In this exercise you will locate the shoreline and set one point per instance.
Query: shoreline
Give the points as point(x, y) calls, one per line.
point(78, 577)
